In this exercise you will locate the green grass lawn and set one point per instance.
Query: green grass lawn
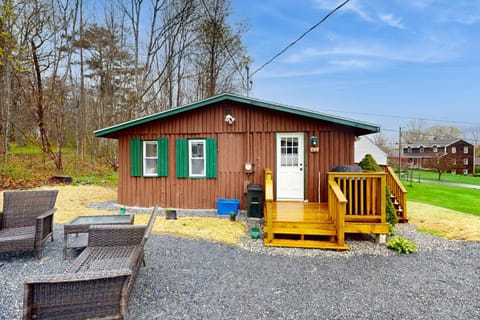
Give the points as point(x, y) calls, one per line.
point(455, 198)
point(447, 177)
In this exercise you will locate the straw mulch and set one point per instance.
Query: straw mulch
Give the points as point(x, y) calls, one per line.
point(72, 201)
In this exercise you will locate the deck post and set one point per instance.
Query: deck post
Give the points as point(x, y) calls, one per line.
point(383, 199)
point(268, 204)
point(381, 238)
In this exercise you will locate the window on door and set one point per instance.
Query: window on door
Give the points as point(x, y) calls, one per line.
point(289, 152)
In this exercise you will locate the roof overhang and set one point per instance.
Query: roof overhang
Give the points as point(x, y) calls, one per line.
point(363, 127)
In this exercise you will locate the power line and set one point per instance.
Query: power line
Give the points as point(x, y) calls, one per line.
point(402, 117)
point(301, 37)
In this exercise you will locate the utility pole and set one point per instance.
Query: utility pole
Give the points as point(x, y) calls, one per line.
point(400, 152)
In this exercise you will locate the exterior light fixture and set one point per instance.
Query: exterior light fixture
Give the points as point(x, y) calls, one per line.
point(229, 119)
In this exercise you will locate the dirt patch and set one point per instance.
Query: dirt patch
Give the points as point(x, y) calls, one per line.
point(450, 224)
point(72, 202)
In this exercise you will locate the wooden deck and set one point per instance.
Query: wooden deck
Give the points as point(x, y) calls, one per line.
point(301, 224)
point(356, 204)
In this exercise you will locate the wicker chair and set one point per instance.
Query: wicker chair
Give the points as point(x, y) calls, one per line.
point(100, 281)
point(26, 221)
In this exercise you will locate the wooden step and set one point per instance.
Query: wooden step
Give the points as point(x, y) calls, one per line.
point(305, 231)
point(312, 244)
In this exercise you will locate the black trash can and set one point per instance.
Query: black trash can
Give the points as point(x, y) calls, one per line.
point(255, 201)
point(346, 168)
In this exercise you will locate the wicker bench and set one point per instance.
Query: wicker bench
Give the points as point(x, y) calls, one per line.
point(100, 281)
point(26, 221)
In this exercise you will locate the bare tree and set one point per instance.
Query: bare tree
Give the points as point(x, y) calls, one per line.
point(415, 131)
point(443, 132)
point(221, 56)
point(10, 64)
point(381, 140)
point(438, 162)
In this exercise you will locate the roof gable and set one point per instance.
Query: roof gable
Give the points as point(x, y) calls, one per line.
point(369, 128)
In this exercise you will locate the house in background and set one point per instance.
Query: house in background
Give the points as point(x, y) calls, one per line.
point(191, 156)
point(457, 154)
point(364, 145)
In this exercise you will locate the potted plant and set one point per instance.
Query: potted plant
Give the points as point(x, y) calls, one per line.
point(232, 216)
point(170, 214)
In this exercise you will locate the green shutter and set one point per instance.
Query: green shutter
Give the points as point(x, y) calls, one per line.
point(162, 157)
point(211, 158)
point(181, 158)
point(135, 157)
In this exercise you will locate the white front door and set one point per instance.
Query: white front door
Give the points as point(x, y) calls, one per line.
point(290, 166)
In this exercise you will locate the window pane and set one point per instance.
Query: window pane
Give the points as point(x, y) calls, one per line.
point(198, 167)
point(289, 152)
point(197, 150)
point(151, 149)
point(150, 166)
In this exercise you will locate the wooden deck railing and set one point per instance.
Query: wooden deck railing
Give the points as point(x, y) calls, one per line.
point(398, 190)
point(268, 203)
point(365, 193)
point(336, 210)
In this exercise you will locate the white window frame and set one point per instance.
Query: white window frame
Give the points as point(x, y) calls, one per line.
point(190, 158)
point(465, 149)
point(454, 171)
point(435, 149)
point(454, 149)
point(465, 161)
point(146, 159)
point(422, 150)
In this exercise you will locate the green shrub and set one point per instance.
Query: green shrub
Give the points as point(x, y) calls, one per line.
point(391, 230)
point(401, 245)
point(368, 163)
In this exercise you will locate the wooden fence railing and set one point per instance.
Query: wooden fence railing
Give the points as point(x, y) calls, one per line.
point(398, 190)
point(365, 193)
point(336, 210)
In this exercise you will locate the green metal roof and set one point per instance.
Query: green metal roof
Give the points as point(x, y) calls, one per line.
point(370, 128)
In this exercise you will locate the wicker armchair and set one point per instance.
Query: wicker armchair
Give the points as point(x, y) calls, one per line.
point(100, 281)
point(26, 221)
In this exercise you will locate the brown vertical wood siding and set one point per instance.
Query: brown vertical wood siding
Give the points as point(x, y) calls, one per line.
point(250, 138)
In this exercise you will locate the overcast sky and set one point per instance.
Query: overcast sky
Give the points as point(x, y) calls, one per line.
point(385, 62)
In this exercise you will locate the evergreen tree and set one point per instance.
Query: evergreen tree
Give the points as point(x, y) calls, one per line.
point(368, 163)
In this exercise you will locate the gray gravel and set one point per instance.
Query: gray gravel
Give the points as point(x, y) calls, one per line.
point(196, 279)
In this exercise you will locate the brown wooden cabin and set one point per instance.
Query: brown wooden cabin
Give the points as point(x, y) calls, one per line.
point(190, 156)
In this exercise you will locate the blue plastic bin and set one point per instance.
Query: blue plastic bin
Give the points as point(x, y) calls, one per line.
point(225, 206)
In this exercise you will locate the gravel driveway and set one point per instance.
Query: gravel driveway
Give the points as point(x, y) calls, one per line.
point(196, 279)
